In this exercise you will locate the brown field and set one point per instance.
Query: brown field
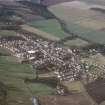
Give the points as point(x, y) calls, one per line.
point(76, 99)
point(97, 90)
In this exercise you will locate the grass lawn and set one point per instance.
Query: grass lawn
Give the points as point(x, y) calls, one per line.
point(12, 74)
point(51, 26)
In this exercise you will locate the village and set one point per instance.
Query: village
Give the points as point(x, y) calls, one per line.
point(43, 54)
point(44, 63)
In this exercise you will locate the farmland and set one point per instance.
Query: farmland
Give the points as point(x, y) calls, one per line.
point(12, 74)
point(4, 52)
point(55, 55)
point(96, 89)
point(81, 20)
point(76, 43)
point(53, 2)
point(7, 33)
point(50, 26)
point(99, 2)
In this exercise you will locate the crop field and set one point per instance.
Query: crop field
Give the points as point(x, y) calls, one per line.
point(50, 26)
point(81, 20)
point(12, 74)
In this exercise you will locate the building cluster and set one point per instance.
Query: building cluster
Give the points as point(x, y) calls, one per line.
point(41, 53)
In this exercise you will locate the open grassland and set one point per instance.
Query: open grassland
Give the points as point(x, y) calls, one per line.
point(81, 20)
point(12, 74)
point(50, 26)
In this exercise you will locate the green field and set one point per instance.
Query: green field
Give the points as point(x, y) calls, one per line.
point(51, 26)
point(12, 74)
point(7, 33)
point(88, 34)
point(4, 52)
point(76, 43)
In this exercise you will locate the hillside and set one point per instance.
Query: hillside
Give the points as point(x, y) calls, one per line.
point(81, 20)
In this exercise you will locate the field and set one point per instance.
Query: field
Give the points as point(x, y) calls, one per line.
point(12, 74)
point(76, 43)
point(7, 33)
point(51, 26)
point(96, 91)
point(98, 2)
point(4, 52)
point(43, 34)
point(53, 2)
point(74, 87)
point(73, 99)
point(81, 20)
